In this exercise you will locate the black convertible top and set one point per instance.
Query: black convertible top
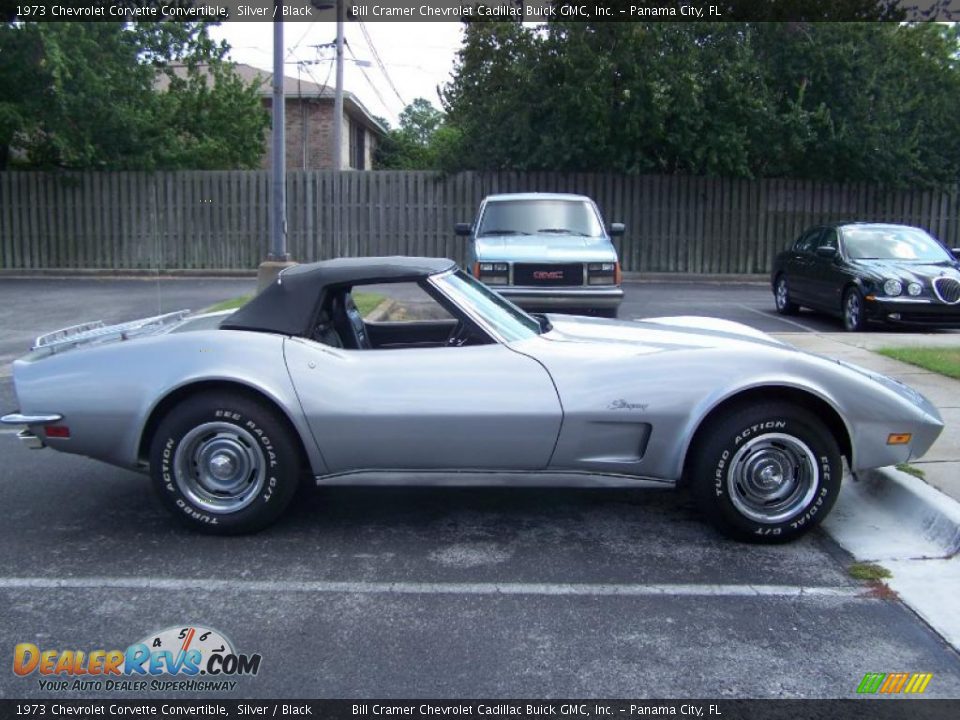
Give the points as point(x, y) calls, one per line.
point(288, 305)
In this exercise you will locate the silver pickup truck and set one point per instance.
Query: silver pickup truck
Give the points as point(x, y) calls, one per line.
point(546, 251)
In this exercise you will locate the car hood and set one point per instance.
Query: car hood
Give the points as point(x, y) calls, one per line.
point(907, 270)
point(657, 333)
point(545, 248)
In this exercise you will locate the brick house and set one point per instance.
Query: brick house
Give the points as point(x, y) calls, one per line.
point(309, 123)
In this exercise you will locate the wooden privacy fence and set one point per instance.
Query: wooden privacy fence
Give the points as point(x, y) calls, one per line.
point(220, 220)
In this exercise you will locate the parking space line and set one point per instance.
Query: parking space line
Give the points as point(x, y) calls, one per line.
point(427, 588)
point(770, 316)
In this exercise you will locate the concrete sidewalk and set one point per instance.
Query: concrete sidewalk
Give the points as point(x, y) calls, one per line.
point(911, 528)
point(941, 465)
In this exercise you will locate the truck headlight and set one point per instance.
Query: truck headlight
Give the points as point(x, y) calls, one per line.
point(492, 273)
point(603, 273)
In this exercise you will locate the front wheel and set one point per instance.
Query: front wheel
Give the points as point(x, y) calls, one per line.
point(766, 473)
point(224, 463)
point(853, 318)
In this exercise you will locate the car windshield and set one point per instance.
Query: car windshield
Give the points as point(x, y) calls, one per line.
point(509, 321)
point(892, 243)
point(529, 217)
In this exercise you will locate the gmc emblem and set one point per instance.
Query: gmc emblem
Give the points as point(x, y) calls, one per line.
point(548, 274)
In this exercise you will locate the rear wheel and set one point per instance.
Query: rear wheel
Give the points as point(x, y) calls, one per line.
point(224, 463)
point(766, 473)
point(853, 318)
point(781, 296)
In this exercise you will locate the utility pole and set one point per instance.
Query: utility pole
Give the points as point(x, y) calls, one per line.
point(278, 257)
point(338, 97)
point(278, 208)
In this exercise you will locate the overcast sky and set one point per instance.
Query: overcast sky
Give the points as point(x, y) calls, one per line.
point(417, 57)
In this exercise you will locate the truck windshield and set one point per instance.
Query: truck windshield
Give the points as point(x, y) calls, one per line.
point(529, 217)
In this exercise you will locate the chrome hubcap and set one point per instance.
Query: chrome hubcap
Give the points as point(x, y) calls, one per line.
point(772, 477)
point(219, 467)
point(853, 310)
point(782, 294)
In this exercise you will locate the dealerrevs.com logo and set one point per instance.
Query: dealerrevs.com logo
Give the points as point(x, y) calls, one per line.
point(186, 658)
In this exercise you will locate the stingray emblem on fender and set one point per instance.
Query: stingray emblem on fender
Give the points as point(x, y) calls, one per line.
point(624, 405)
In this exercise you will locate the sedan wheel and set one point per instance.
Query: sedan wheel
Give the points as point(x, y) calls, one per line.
point(781, 295)
point(224, 464)
point(853, 320)
point(766, 473)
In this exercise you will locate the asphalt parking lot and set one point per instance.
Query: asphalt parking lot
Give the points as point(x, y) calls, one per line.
point(417, 592)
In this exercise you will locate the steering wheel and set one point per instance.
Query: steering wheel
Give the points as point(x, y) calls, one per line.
point(358, 330)
point(460, 335)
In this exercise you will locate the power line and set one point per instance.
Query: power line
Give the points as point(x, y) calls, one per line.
point(383, 68)
point(302, 38)
point(306, 67)
point(369, 81)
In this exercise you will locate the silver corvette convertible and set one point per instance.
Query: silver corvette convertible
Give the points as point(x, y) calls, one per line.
point(230, 412)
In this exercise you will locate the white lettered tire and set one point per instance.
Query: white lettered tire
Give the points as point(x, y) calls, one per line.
point(225, 463)
point(766, 473)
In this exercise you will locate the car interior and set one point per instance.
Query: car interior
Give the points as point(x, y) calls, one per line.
point(340, 324)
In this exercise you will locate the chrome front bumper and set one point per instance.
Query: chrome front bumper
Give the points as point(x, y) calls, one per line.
point(27, 436)
point(596, 297)
point(18, 419)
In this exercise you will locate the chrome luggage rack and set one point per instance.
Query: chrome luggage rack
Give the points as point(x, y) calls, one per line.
point(97, 332)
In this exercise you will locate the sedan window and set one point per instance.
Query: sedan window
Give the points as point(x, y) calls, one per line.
point(808, 241)
point(892, 243)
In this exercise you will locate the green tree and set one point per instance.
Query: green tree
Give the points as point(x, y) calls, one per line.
point(837, 101)
point(153, 95)
point(419, 143)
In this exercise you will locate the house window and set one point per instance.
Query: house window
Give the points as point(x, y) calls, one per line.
point(358, 149)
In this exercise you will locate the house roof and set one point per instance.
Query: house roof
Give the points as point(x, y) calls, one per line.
point(292, 88)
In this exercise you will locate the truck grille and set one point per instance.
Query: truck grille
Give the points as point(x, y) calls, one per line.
point(547, 274)
point(947, 289)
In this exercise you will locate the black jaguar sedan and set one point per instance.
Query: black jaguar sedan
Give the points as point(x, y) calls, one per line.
point(895, 274)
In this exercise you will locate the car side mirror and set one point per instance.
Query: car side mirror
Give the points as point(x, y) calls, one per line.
point(617, 229)
point(462, 229)
point(956, 252)
point(826, 251)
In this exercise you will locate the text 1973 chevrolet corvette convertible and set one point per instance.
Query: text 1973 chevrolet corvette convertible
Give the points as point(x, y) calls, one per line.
point(229, 411)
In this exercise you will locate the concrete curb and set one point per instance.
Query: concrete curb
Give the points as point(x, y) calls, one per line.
point(911, 529)
point(381, 311)
point(890, 515)
point(709, 278)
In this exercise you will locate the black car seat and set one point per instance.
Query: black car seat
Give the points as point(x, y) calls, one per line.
point(349, 323)
point(324, 331)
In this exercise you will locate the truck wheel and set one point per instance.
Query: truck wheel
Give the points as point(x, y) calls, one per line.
point(766, 473)
point(224, 463)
